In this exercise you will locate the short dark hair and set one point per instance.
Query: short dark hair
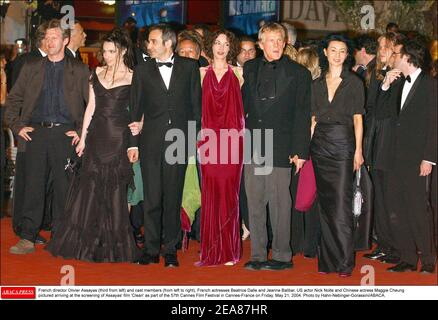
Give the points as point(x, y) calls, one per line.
point(366, 41)
point(167, 33)
point(323, 62)
point(234, 48)
point(415, 50)
point(247, 39)
point(391, 25)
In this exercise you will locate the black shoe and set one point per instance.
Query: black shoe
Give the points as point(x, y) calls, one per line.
point(402, 267)
point(40, 240)
point(389, 259)
point(139, 238)
point(428, 268)
point(376, 254)
point(147, 259)
point(276, 265)
point(253, 265)
point(171, 261)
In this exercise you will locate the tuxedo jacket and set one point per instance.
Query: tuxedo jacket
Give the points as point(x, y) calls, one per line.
point(163, 108)
point(21, 101)
point(288, 115)
point(414, 136)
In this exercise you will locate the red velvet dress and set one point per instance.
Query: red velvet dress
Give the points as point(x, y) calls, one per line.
point(222, 108)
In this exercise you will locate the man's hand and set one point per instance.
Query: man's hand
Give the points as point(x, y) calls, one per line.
point(299, 163)
point(24, 133)
point(73, 135)
point(136, 127)
point(390, 77)
point(425, 168)
point(133, 155)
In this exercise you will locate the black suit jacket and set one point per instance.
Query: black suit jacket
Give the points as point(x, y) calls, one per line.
point(164, 109)
point(70, 54)
point(21, 101)
point(19, 63)
point(414, 136)
point(288, 115)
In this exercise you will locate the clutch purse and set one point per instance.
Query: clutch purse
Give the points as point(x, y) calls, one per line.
point(306, 189)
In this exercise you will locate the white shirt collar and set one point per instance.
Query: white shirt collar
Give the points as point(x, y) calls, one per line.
point(42, 53)
point(415, 75)
point(74, 53)
point(170, 59)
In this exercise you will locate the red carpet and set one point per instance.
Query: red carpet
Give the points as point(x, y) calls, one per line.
point(40, 268)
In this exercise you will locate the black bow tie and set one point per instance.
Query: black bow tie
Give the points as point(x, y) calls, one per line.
point(167, 64)
point(270, 63)
point(408, 79)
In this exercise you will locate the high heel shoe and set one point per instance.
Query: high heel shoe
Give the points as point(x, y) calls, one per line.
point(344, 274)
point(246, 232)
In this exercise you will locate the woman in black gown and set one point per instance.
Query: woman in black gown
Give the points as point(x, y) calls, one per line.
point(336, 149)
point(95, 226)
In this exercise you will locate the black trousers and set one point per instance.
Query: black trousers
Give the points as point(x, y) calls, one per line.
point(137, 216)
point(163, 186)
point(45, 155)
point(383, 220)
point(413, 225)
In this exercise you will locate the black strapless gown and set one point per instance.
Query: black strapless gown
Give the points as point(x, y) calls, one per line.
point(95, 225)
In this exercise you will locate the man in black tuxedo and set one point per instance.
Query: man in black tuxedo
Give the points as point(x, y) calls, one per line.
point(412, 99)
point(77, 40)
point(45, 110)
point(276, 96)
point(166, 90)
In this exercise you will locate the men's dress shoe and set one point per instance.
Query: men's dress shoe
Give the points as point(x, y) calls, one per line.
point(139, 238)
point(428, 268)
point(389, 259)
point(253, 265)
point(40, 239)
point(23, 247)
point(276, 265)
point(376, 254)
point(171, 261)
point(147, 259)
point(402, 267)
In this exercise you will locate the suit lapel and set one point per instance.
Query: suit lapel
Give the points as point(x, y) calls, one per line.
point(412, 92)
point(175, 72)
point(155, 74)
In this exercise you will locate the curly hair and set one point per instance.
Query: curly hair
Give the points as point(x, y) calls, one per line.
point(234, 45)
point(121, 39)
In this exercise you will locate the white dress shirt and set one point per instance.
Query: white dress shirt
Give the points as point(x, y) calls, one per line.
point(408, 86)
point(166, 72)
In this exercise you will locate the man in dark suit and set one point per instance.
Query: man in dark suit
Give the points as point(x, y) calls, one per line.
point(77, 40)
point(45, 110)
point(19, 183)
point(166, 90)
point(276, 97)
point(412, 101)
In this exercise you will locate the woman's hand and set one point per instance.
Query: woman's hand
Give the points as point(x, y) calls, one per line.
point(358, 160)
point(80, 148)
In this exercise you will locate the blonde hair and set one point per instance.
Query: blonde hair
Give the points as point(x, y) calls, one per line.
point(309, 58)
point(272, 27)
point(291, 52)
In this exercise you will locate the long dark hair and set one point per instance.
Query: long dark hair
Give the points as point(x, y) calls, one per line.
point(121, 39)
point(323, 62)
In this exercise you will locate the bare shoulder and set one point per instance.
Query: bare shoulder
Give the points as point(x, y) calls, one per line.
point(203, 70)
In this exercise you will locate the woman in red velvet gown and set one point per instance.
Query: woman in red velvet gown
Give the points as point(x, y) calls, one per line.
point(222, 108)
